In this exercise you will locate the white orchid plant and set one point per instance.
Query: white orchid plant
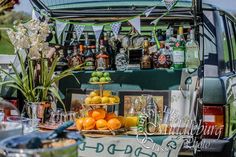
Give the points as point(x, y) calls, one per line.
point(31, 37)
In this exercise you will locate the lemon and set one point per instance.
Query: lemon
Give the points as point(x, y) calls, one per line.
point(88, 100)
point(105, 100)
point(96, 100)
point(117, 99)
point(112, 100)
point(107, 93)
point(93, 94)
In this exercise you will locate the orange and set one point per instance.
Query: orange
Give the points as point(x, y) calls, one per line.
point(90, 113)
point(79, 123)
point(101, 124)
point(110, 116)
point(122, 120)
point(114, 124)
point(88, 123)
point(99, 113)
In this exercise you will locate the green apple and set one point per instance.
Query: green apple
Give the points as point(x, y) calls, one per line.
point(94, 74)
point(102, 79)
point(91, 79)
point(99, 74)
point(108, 79)
point(106, 74)
point(95, 79)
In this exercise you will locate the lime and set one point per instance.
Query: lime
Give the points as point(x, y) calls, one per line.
point(95, 79)
point(102, 79)
point(99, 74)
point(106, 74)
point(91, 79)
point(108, 79)
point(94, 74)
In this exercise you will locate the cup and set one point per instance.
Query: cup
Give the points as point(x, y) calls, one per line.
point(1, 116)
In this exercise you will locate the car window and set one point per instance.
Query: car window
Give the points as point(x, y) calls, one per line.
point(226, 45)
point(233, 40)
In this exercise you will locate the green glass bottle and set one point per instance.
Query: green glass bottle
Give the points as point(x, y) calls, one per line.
point(179, 51)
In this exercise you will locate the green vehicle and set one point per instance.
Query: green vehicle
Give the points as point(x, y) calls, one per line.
point(212, 100)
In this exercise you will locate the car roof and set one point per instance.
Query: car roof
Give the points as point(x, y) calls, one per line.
point(70, 4)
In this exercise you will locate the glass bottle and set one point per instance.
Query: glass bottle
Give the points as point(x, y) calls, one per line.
point(122, 60)
point(109, 51)
point(192, 52)
point(131, 120)
point(153, 114)
point(163, 58)
point(169, 38)
point(146, 62)
point(88, 55)
point(75, 58)
point(102, 59)
point(152, 45)
point(179, 51)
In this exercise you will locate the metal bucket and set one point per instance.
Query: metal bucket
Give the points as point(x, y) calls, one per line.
point(67, 151)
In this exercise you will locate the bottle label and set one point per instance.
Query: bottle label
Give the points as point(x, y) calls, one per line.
point(162, 59)
point(152, 49)
point(178, 56)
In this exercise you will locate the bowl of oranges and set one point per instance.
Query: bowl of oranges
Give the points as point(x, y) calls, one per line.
point(99, 120)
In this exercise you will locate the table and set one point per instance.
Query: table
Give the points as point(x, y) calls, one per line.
point(131, 146)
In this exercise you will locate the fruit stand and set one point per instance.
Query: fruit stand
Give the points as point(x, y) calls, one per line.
point(131, 96)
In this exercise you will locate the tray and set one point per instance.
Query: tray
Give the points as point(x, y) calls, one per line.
point(100, 83)
point(101, 104)
point(53, 127)
point(104, 132)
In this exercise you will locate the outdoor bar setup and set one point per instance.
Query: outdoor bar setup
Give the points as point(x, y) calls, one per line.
point(102, 78)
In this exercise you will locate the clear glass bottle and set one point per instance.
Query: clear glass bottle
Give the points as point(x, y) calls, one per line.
point(102, 59)
point(170, 41)
point(131, 120)
point(153, 114)
point(122, 60)
point(192, 52)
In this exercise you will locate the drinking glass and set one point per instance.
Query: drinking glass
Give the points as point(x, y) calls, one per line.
point(1, 116)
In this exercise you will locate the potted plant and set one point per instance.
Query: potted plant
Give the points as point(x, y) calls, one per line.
point(36, 80)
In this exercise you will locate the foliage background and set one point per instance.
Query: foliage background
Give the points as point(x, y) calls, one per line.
point(6, 21)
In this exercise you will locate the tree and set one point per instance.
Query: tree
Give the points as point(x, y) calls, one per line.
point(7, 5)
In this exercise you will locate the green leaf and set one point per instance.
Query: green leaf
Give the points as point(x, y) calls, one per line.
point(51, 72)
point(9, 75)
point(75, 78)
point(31, 74)
point(23, 92)
point(24, 71)
point(18, 78)
point(58, 77)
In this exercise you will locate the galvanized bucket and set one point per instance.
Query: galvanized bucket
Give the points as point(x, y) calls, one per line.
point(67, 151)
